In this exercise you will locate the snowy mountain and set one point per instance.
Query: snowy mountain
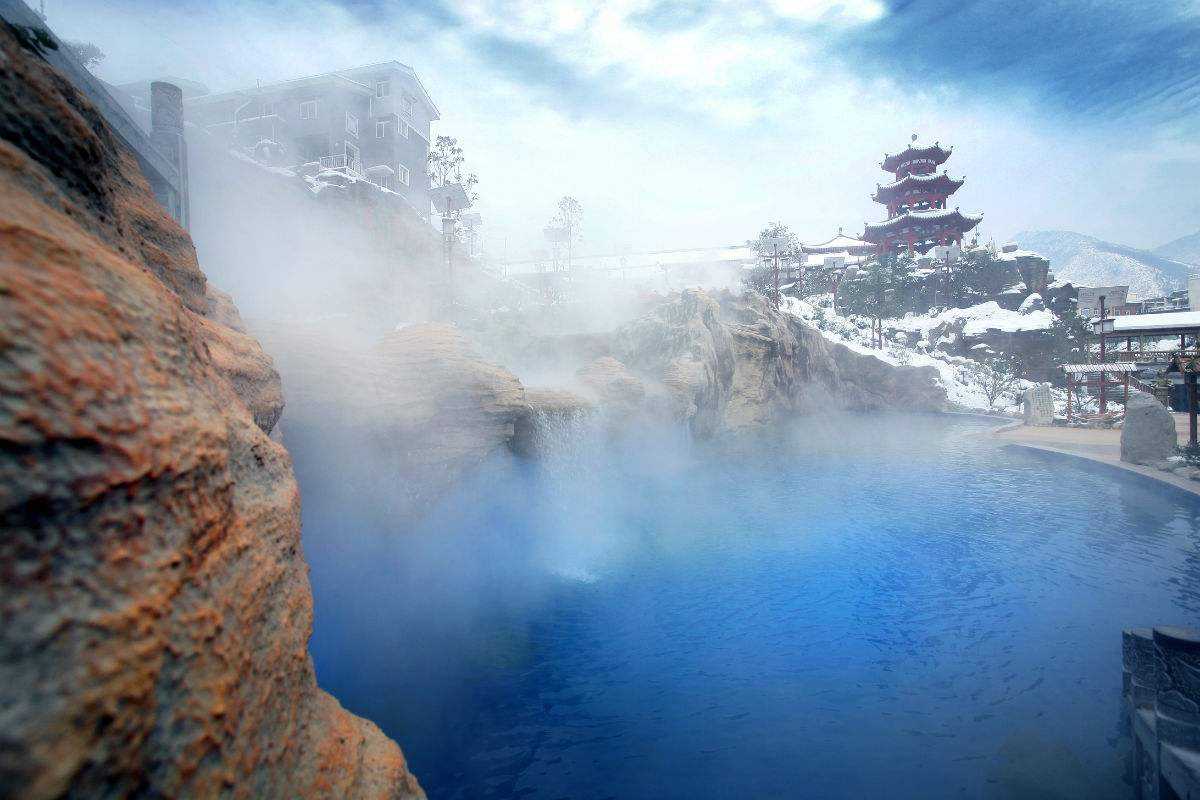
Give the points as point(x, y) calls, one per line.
point(1185, 249)
point(1088, 261)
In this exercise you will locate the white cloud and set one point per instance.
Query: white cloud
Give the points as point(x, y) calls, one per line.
point(705, 133)
point(838, 10)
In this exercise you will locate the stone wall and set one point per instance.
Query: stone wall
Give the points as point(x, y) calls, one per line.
point(1161, 678)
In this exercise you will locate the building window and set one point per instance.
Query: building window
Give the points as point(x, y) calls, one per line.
point(351, 124)
point(352, 156)
point(406, 106)
point(308, 109)
point(383, 89)
point(402, 174)
point(381, 128)
point(403, 129)
point(268, 108)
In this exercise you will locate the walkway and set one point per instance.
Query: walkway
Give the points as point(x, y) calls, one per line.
point(1103, 446)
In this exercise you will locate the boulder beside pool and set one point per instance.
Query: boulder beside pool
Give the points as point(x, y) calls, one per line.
point(1148, 433)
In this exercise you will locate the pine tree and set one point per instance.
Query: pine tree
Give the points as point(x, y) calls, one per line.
point(881, 288)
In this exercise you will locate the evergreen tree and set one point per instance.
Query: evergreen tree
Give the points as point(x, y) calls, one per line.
point(774, 237)
point(881, 288)
point(978, 276)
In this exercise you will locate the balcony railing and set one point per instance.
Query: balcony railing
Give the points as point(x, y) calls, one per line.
point(1144, 356)
point(353, 165)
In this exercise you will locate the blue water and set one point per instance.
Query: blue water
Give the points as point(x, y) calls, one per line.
point(849, 608)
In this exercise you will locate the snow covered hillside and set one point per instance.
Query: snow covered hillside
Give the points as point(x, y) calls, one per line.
point(1088, 261)
point(965, 380)
point(1185, 249)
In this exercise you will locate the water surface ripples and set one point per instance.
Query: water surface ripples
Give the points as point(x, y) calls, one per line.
point(849, 608)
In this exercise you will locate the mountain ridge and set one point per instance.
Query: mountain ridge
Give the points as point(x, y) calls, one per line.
point(1090, 261)
point(1185, 249)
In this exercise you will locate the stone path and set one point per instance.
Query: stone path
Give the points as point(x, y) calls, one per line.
point(1103, 446)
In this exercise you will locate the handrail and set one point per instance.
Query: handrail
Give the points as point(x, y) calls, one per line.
point(1144, 356)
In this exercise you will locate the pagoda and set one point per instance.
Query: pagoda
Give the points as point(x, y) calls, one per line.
point(917, 217)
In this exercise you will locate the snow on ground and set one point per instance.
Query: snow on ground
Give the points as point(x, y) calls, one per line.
point(954, 372)
point(979, 319)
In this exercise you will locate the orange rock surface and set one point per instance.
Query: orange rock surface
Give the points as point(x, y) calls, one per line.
point(154, 601)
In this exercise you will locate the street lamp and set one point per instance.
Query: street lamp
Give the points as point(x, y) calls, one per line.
point(450, 199)
point(775, 242)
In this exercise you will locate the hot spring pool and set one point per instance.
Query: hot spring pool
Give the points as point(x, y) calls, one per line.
point(851, 608)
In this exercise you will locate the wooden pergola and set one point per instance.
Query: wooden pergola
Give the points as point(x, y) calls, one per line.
point(1087, 376)
point(1143, 326)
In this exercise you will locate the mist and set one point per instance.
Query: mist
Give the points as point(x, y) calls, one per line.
point(587, 511)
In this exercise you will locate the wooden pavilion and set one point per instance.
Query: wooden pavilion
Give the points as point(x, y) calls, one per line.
point(1127, 362)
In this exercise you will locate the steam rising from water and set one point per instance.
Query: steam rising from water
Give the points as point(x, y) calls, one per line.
point(848, 605)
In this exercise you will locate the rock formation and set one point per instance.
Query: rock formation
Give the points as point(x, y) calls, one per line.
point(422, 396)
point(683, 347)
point(442, 408)
point(613, 385)
point(154, 601)
point(734, 362)
point(1148, 433)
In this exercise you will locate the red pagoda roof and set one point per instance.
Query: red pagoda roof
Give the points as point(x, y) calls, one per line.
point(936, 183)
point(935, 153)
point(942, 217)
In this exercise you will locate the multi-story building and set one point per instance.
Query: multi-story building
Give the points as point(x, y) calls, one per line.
point(370, 121)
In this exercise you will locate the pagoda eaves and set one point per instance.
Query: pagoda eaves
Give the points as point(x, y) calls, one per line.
point(916, 158)
point(920, 231)
point(939, 184)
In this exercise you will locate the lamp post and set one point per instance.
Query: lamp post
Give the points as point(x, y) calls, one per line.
point(774, 242)
point(451, 200)
point(1103, 326)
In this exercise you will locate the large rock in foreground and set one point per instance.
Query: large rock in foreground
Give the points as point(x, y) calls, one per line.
point(1148, 433)
point(154, 603)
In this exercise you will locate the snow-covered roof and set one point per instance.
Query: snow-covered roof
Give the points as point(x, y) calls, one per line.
point(932, 215)
point(1091, 369)
point(918, 180)
point(1144, 323)
point(916, 150)
point(839, 243)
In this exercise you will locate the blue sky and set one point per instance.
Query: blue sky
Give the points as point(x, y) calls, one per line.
point(679, 123)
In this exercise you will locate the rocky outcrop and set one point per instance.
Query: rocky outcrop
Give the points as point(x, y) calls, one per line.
point(733, 361)
point(688, 353)
point(442, 407)
point(613, 386)
point(1148, 433)
point(422, 397)
point(155, 602)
